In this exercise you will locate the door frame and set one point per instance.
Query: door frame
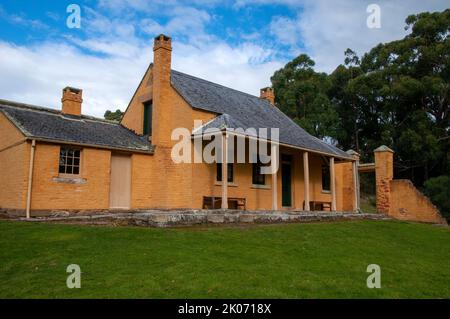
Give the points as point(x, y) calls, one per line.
point(287, 160)
point(120, 154)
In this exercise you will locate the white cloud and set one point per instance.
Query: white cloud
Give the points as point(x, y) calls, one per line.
point(242, 3)
point(327, 28)
point(108, 61)
point(22, 20)
point(37, 74)
point(154, 6)
point(117, 48)
point(187, 22)
point(285, 30)
point(247, 67)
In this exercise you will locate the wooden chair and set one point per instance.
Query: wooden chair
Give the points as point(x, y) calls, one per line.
point(212, 202)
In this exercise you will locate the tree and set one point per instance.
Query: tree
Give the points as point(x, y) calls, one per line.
point(302, 94)
point(113, 116)
point(437, 189)
point(396, 94)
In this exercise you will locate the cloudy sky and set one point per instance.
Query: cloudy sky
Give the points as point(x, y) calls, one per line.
point(237, 43)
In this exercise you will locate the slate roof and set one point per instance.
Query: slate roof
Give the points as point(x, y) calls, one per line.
point(241, 110)
point(51, 125)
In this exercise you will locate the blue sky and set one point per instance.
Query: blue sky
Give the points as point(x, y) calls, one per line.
point(238, 43)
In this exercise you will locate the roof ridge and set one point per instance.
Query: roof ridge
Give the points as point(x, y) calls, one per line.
point(38, 108)
point(33, 107)
point(216, 84)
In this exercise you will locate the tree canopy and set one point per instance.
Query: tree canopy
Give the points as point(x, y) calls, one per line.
point(396, 94)
point(113, 116)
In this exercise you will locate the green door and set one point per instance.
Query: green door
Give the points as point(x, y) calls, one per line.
point(286, 180)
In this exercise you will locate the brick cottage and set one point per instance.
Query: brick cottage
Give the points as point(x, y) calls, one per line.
point(63, 160)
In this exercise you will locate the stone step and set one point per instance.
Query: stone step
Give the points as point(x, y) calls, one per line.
point(157, 218)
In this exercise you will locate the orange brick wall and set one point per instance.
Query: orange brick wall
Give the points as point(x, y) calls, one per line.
point(400, 198)
point(49, 193)
point(13, 165)
point(345, 191)
point(407, 203)
point(133, 117)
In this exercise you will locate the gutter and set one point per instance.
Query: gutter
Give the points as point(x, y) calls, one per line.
point(30, 178)
point(55, 141)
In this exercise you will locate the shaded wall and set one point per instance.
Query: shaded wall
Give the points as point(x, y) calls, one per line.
point(14, 160)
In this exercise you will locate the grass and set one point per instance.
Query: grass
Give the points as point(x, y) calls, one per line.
point(318, 260)
point(368, 203)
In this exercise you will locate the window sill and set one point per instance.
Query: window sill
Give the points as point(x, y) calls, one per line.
point(229, 184)
point(69, 180)
point(326, 192)
point(256, 186)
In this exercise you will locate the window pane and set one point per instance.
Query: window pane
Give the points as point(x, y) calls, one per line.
point(325, 177)
point(219, 172)
point(69, 161)
point(230, 172)
point(257, 177)
point(147, 128)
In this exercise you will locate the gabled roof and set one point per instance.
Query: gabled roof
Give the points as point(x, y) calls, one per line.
point(53, 126)
point(218, 123)
point(240, 108)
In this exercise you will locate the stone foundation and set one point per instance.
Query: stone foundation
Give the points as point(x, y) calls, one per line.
point(158, 218)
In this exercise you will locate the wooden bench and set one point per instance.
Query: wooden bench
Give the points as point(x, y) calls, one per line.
point(212, 202)
point(318, 205)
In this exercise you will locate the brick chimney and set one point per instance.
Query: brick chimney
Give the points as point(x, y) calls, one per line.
point(71, 101)
point(162, 104)
point(268, 94)
point(162, 57)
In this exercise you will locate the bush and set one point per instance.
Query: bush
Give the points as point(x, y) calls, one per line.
point(438, 190)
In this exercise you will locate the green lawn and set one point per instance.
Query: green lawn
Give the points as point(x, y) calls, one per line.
point(275, 261)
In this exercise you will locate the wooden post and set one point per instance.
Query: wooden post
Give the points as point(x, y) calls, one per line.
point(273, 162)
point(332, 185)
point(358, 187)
point(306, 179)
point(30, 178)
point(355, 186)
point(225, 170)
